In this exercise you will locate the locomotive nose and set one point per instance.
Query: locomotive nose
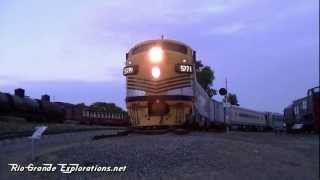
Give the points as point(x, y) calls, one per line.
point(158, 108)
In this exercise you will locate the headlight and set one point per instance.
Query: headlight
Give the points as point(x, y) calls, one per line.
point(155, 54)
point(155, 72)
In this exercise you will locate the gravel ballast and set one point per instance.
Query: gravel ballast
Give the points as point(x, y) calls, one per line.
point(197, 155)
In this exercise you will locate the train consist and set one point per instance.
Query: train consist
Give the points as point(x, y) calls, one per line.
point(162, 91)
point(220, 115)
point(304, 113)
point(20, 105)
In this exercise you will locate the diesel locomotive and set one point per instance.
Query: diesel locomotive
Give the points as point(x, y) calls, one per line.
point(304, 113)
point(159, 80)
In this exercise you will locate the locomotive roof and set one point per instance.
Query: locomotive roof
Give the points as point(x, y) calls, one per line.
point(159, 40)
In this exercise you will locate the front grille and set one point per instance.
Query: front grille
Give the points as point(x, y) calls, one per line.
point(159, 86)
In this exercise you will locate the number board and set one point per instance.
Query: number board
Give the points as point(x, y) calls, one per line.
point(184, 68)
point(130, 70)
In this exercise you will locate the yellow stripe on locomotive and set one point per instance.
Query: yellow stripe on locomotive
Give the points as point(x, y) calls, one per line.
point(159, 77)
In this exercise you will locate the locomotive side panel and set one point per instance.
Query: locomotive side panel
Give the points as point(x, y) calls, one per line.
point(202, 101)
point(316, 111)
point(314, 95)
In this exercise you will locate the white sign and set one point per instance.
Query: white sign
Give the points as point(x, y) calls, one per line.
point(38, 132)
point(186, 68)
point(297, 126)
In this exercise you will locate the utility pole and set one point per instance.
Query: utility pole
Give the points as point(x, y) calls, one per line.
point(226, 117)
point(226, 96)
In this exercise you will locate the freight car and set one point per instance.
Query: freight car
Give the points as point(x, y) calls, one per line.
point(20, 105)
point(89, 116)
point(303, 114)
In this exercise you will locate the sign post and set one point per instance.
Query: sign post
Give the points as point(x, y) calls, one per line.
point(39, 130)
point(226, 116)
point(224, 92)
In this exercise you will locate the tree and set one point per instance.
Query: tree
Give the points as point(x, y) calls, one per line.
point(205, 77)
point(110, 107)
point(232, 99)
point(211, 92)
point(81, 105)
point(198, 65)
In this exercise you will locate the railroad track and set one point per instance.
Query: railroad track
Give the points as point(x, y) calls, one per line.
point(13, 135)
point(178, 131)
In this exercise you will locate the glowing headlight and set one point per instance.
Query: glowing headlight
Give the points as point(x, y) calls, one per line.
point(155, 54)
point(155, 72)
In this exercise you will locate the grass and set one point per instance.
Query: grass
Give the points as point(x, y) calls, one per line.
point(14, 124)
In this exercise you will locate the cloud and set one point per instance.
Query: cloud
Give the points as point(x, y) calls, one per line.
point(4, 82)
point(227, 29)
point(87, 41)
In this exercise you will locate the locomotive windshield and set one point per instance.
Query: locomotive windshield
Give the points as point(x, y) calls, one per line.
point(165, 45)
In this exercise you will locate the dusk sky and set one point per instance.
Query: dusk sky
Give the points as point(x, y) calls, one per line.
point(75, 50)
